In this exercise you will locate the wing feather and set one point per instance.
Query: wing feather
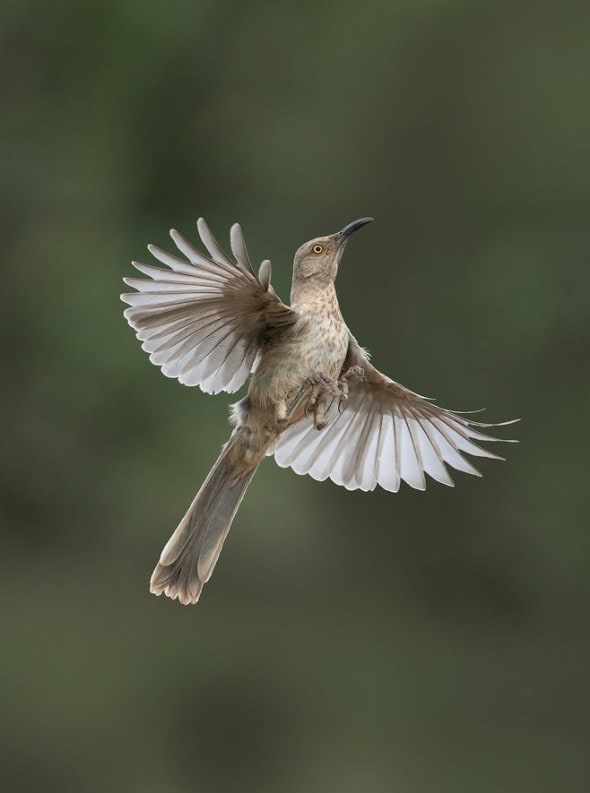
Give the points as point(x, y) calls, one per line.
point(385, 434)
point(203, 320)
point(215, 250)
point(239, 249)
point(354, 458)
point(388, 473)
point(365, 476)
point(412, 470)
point(338, 450)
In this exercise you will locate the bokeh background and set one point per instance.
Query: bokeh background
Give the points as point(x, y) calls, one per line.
point(347, 641)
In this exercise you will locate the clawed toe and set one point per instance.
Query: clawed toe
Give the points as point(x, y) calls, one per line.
point(355, 373)
point(318, 395)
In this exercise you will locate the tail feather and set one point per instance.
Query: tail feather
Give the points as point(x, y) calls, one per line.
point(189, 556)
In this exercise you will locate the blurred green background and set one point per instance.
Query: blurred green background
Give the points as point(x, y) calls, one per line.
point(347, 641)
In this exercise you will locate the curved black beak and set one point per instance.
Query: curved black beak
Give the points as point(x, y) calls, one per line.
point(345, 233)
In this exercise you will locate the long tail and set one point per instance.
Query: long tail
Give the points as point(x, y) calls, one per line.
point(189, 556)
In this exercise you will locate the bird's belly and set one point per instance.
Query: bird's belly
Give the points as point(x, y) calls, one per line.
point(320, 356)
point(320, 350)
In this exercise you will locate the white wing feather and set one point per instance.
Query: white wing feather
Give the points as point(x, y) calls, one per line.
point(202, 319)
point(386, 434)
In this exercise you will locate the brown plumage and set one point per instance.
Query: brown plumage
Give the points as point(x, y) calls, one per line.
point(314, 400)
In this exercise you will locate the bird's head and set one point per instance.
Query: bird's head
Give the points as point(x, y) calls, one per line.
point(319, 258)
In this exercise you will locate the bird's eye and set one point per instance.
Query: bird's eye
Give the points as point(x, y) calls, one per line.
point(317, 249)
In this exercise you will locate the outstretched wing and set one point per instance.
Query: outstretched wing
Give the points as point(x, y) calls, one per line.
point(203, 320)
point(386, 433)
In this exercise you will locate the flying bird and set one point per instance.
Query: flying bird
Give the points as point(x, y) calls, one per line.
point(314, 400)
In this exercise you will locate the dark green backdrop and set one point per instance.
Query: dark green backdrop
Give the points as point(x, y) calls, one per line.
point(418, 643)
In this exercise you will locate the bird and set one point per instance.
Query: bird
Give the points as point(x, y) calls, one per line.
point(315, 401)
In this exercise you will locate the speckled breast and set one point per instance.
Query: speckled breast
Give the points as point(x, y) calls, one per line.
point(323, 345)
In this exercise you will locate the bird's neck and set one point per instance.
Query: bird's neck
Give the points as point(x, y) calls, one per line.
point(313, 295)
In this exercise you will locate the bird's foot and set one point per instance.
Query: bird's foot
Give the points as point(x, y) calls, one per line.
point(282, 412)
point(286, 409)
point(354, 373)
point(319, 395)
point(325, 394)
point(350, 375)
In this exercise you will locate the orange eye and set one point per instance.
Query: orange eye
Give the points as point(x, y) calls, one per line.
point(317, 249)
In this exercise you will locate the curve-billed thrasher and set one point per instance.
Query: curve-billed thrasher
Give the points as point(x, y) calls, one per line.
point(314, 400)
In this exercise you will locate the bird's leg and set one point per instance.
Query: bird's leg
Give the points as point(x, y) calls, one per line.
point(282, 412)
point(331, 390)
point(354, 373)
point(320, 405)
point(316, 387)
point(319, 394)
point(313, 394)
point(286, 409)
